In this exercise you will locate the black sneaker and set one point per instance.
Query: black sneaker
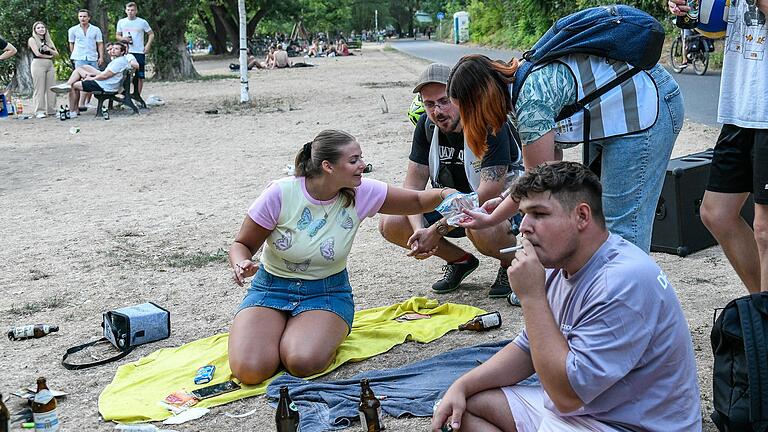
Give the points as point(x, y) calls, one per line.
point(454, 274)
point(500, 287)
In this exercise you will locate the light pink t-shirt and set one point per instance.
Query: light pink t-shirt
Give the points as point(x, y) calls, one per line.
point(310, 239)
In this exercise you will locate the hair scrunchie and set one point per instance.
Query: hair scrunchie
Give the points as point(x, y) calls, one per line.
point(308, 148)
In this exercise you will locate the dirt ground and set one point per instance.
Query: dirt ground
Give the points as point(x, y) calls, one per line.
point(143, 208)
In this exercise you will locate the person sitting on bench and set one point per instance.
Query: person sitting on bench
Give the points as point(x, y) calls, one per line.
point(89, 79)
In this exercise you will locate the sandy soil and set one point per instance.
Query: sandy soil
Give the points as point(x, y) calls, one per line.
point(142, 208)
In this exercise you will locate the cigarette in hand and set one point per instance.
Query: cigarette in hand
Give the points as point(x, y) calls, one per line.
point(511, 249)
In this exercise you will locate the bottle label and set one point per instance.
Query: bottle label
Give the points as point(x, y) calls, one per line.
point(47, 421)
point(43, 396)
point(24, 332)
point(491, 320)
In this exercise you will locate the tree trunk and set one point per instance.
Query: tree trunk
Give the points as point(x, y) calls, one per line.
point(100, 19)
point(21, 83)
point(181, 68)
point(260, 14)
point(219, 46)
point(229, 23)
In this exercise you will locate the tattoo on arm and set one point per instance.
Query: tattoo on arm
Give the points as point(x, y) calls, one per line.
point(493, 173)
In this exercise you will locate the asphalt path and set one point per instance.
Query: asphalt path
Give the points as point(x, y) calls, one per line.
point(700, 92)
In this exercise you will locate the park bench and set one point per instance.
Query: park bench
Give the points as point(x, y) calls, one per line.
point(123, 96)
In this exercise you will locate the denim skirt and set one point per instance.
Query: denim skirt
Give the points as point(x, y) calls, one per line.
point(333, 294)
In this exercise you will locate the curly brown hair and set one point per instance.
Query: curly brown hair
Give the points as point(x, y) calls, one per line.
point(570, 183)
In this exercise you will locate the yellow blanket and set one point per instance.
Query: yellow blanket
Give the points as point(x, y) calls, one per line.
point(134, 393)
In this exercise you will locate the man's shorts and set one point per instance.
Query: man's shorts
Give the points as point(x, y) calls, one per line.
point(527, 406)
point(740, 162)
point(141, 59)
point(79, 63)
point(91, 86)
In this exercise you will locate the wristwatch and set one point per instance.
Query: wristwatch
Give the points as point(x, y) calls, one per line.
point(442, 227)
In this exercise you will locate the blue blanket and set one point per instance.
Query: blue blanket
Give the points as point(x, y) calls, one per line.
point(411, 389)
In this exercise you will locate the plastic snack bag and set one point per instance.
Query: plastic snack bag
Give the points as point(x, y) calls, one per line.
point(452, 206)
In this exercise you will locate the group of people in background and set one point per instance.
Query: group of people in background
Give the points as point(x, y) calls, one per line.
point(134, 38)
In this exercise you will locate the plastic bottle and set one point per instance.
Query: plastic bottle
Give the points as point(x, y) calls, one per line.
point(44, 410)
point(31, 331)
point(483, 322)
point(62, 113)
point(19, 107)
point(105, 113)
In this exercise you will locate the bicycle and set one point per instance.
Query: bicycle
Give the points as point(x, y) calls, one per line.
point(698, 51)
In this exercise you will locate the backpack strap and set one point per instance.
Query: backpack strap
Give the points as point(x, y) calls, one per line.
point(753, 331)
point(75, 366)
point(573, 108)
point(429, 129)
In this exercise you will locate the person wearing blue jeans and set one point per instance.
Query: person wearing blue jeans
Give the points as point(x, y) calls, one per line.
point(633, 128)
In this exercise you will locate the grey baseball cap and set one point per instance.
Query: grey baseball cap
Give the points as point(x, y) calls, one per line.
point(434, 73)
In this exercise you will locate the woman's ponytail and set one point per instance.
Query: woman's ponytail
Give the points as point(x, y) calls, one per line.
point(303, 162)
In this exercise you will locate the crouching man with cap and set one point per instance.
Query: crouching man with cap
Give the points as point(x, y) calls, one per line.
point(439, 155)
point(604, 331)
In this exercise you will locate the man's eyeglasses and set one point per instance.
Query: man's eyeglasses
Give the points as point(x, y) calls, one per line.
point(441, 103)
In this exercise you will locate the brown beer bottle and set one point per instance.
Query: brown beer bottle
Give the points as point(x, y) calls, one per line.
point(287, 415)
point(483, 322)
point(5, 417)
point(44, 408)
point(31, 331)
point(370, 408)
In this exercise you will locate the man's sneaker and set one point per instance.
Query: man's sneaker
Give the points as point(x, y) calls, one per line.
point(454, 274)
point(61, 88)
point(500, 287)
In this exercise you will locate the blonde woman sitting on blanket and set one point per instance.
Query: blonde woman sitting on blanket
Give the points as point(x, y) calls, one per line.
point(299, 307)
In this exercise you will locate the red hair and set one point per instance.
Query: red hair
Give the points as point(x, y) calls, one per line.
point(480, 86)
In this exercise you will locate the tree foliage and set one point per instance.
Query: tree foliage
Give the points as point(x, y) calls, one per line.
point(16, 19)
point(519, 23)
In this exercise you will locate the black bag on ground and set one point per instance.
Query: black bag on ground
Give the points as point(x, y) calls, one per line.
point(740, 374)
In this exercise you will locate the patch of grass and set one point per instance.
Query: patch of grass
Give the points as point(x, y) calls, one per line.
point(259, 105)
point(197, 259)
point(390, 84)
point(125, 255)
point(30, 308)
point(36, 274)
point(389, 48)
point(215, 77)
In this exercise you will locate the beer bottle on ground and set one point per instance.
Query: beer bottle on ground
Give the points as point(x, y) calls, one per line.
point(31, 331)
point(483, 322)
point(287, 415)
point(44, 409)
point(370, 408)
point(5, 417)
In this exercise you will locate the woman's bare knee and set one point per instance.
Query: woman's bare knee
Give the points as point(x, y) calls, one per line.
point(304, 363)
point(252, 372)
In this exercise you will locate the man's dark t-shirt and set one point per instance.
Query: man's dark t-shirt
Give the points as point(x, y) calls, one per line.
point(451, 172)
point(3, 44)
